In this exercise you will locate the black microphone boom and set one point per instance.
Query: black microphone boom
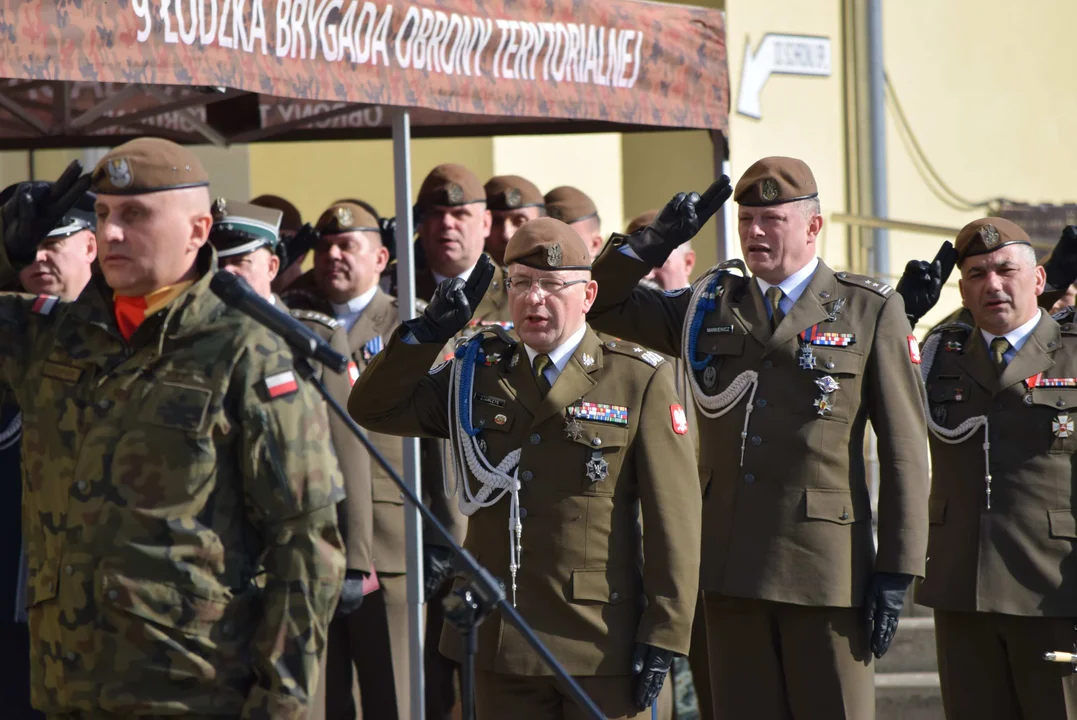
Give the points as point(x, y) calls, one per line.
point(236, 293)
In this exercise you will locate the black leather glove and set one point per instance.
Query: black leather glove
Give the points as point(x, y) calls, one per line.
point(1061, 266)
point(650, 665)
point(351, 594)
point(437, 569)
point(35, 209)
point(292, 250)
point(921, 283)
point(886, 597)
point(678, 222)
point(452, 306)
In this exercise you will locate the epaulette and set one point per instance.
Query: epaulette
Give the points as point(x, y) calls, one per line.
point(642, 354)
point(320, 318)
point(864, 281)
point(734, 264)
point(1065, 315)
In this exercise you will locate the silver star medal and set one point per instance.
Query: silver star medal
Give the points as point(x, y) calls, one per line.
point(710, 377)
point(573, 429)
point(597, 468)
point(807, 357)
point(825, 404)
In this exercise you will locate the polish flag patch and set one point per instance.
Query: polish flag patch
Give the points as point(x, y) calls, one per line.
point(353, 372)
point(44, 304)
point(914, 350)
point(281, 384)
point(680, 420)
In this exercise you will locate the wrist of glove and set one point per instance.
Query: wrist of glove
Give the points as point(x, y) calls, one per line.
point(437, 569)
point(883, 605)
point(650, 666)
point(351, 593)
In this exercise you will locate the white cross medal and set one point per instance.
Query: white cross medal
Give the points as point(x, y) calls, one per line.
point(1062, 426)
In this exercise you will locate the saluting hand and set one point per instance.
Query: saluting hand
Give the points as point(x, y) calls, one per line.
point(453, 304)
point(921, 283)
point(1061, 266)
point(678, 222)
point(35, 209)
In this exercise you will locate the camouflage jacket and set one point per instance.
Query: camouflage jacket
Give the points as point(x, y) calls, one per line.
point(178, 508)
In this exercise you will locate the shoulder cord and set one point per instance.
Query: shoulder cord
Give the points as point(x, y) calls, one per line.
point(965, 430)
point(12, 433)
point(714, 406)
point(467, 455)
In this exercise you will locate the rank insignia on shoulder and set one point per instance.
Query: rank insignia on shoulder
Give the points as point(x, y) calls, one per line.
point(353, 372)
point(652, 358)
point(680, 420)
point(599, 412)
point(914, 349)
point(44, 304)
point(374, 346)
point(281, 384)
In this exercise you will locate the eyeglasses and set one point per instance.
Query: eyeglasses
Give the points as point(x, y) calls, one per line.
point(548, 286)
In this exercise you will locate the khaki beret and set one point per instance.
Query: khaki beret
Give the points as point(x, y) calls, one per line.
point(450, 185)
point(147, 165)
point(570, 205)
point(548, 244)
point(987, 235)
point(775, 181)
point(512, 192)
point(241, 228)
point(641, 221)
point(345, 217)
point(291, 221)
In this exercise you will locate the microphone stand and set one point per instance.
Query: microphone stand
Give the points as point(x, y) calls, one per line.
point(467, 607)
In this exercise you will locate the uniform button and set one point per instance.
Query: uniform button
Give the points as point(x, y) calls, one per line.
point(523, 513)
point(596, 441)
point(824, 294)
point(535, 439)
point(615, 596)
point(761, 403)
point(1051, 344)
point(71, 657)
point(113, 594)
point(1061, 403)
point(82, 485)
point(829, 364)
point(749, 478)
point(757, 441)
point(526, 476)
point(844, 515)
point(102, 404)
point(69, 570)
point(767, 364)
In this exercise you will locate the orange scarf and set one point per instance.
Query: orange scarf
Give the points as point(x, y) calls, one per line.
point(131, 311)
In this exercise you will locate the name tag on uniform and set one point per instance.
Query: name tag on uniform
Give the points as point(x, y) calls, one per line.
point(496, 402)
point(720, 330)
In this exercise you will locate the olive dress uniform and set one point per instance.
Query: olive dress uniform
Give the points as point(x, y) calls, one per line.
point(788, 551)
point(608, 438)
point(1002, 567)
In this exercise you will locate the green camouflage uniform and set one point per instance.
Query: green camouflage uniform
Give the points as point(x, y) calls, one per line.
point(181, 523)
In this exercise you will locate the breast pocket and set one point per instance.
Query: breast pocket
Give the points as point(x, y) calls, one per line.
point(834, 388)
point(948, 397)
point(595, 462)
point(723, 349)
point(494, 424)
point(1055, 417)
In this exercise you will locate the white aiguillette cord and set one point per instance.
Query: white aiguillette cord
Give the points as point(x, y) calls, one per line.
point(467, 455)
point(715, 406)
point(965, 430)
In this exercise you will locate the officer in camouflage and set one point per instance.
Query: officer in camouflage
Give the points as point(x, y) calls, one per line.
point(180, 486)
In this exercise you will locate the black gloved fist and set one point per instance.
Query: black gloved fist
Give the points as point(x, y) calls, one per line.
point(886, 597)
point(437, 569)
point(294, 248)
point(650, 665)
point(452, 306)
point(921, 283)
point(1061, 266)
point(678, 222)
point(35, 209)
point(351, 594)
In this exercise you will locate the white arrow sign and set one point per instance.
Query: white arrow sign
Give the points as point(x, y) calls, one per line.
point(783, 55)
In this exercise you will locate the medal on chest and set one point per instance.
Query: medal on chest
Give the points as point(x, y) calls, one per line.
point(825, 403)
point(597, 467)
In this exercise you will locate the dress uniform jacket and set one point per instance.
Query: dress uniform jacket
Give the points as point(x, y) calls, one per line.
point(582, 583)
point(1016, 557)
point(792, 523)
point(162, 473)
point(355, 513)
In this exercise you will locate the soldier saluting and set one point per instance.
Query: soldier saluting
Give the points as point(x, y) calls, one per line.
point(562, 439)
point(787, 366)
point(171, 454)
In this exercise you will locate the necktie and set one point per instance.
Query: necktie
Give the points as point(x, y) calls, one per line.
point(774, 297)
point(999, 347)
point(539, 366)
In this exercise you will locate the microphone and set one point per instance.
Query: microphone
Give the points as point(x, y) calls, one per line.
point(236, 293)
